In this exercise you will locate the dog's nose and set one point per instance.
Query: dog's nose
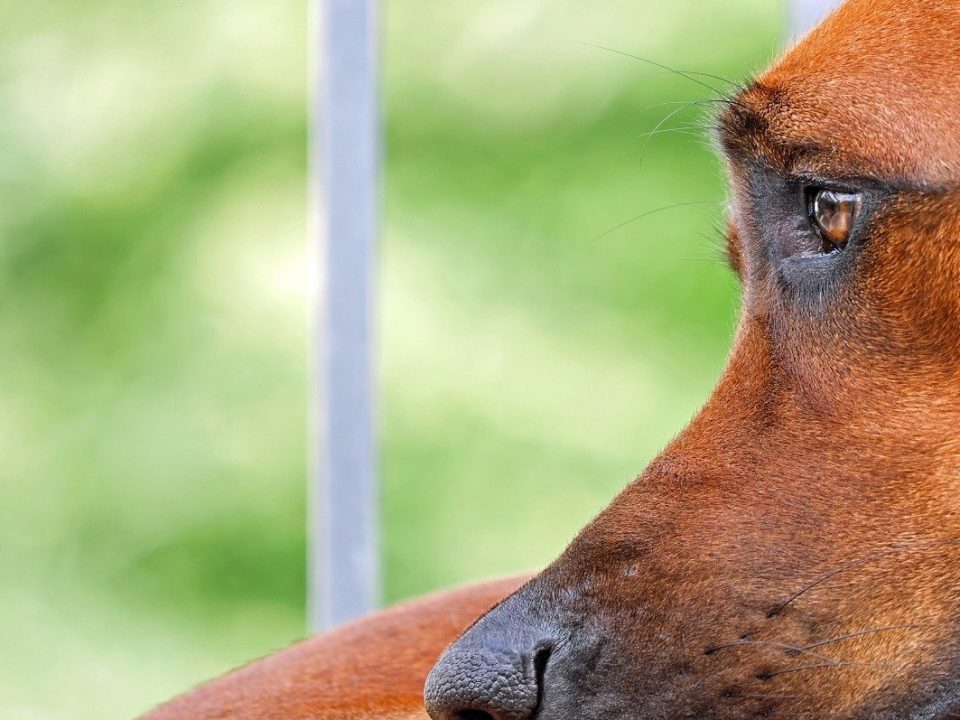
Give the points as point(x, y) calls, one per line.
point(483, 683)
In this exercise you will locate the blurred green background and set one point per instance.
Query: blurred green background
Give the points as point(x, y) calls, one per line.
point(153, 310)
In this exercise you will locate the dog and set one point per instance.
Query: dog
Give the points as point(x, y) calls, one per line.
point(795, 551)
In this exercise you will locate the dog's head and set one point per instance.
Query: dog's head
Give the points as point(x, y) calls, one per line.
point(795, 552)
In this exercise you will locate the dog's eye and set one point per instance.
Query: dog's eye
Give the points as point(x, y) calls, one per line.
point(834, 213)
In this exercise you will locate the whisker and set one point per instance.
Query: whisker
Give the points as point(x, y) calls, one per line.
point(694, 101)
point(780, 608)
point(822, 666)
point(688, 74)
point(663, 121)
point(870, 631)
point(788, 649)
point(699, 128)
point(915, 546)
point(695, 131)
point(648, 213)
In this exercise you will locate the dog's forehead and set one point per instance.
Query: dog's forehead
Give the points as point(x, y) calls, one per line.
point(875, 89)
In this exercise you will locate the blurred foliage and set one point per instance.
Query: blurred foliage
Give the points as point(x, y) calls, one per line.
point(153, 309)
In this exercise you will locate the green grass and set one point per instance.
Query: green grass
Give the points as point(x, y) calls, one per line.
point(153, 310)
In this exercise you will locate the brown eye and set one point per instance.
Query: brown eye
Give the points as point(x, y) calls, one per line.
point(834, 213)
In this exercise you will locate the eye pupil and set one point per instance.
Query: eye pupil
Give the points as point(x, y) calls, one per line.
point(834, 213)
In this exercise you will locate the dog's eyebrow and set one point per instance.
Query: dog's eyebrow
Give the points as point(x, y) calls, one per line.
point(739, 122)
point(745, 134)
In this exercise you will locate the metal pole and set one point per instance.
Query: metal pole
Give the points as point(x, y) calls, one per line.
point(804, 14)
point(344, 159)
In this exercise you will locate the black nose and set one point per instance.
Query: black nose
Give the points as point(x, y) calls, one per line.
point(474, 681)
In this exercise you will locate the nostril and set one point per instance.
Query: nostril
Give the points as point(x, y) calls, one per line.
point(540, 661)
point(474, 715)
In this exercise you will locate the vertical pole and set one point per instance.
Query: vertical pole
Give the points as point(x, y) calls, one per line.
point(804, 14)
point(344, 167)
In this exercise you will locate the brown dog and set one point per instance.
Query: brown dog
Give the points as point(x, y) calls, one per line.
point(795, 552)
